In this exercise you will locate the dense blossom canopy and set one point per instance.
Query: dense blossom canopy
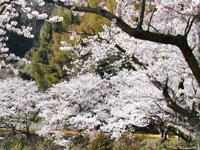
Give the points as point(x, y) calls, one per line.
point(19, 100)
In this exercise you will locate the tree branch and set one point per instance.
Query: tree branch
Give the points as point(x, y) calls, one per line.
point(141, 18)
point(151, 19)
point(2, 4)
point(189, 25)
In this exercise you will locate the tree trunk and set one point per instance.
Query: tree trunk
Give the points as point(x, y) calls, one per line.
point(163, 136)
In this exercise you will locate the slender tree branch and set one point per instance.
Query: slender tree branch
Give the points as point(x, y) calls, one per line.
point(189, 26)
point(3, 5)
point(141, 17)
point(151, 19)
point(156, 30)
point(177, 11)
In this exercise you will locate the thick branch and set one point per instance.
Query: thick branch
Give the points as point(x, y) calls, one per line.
point(140, 34)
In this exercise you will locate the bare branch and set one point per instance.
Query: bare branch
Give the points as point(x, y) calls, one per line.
point(187, 25)
point(141, 17)
point(151, 19)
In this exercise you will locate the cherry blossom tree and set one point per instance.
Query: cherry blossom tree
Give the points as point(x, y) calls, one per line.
point(19, 100)
point(88, 102)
